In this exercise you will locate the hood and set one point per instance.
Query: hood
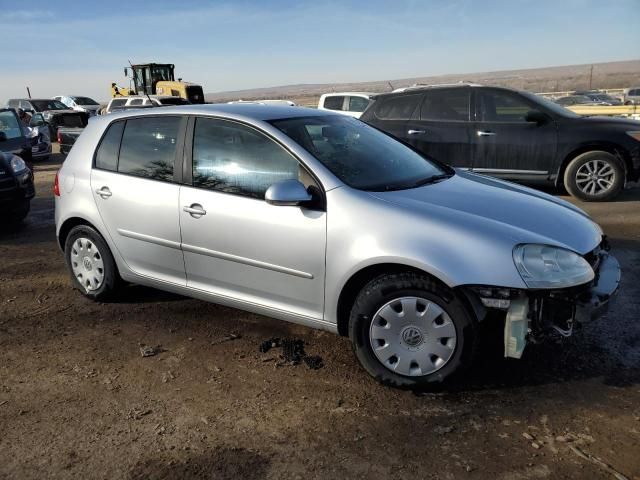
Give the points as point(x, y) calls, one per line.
point(92, 108)
point(523, 214)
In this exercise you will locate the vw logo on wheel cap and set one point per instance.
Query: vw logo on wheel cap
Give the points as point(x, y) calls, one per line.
point(412, 336)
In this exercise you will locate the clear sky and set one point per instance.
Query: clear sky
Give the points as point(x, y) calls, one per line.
point(79, 47)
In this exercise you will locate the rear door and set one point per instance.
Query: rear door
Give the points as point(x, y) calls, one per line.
point(441, 130)
point(505, 144)
point(136, 190)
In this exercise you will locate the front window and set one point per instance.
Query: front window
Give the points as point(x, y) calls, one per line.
point(550, 105)
point(42, 105)
point(359, 155)
point(9, 126)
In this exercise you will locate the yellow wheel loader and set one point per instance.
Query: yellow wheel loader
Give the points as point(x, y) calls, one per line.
point(157, 79)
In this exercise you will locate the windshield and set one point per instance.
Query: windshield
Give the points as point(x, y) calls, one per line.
point(359, 155)
point(84, 101)
point(550, 105)
point(41, 105)
point(9, 126)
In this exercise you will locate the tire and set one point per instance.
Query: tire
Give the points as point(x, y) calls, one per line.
point(95, 276)
point(410, 341)
point(17, 216)
point(606, 185)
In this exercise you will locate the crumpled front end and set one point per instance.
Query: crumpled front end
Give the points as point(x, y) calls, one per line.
point(532, 314)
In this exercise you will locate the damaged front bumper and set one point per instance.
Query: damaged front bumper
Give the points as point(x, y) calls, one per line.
point(533, 314)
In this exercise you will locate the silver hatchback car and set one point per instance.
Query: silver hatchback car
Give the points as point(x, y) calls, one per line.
point(322, 220)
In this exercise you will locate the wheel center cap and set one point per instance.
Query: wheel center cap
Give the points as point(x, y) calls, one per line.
point(87, 264)
point(412, 336)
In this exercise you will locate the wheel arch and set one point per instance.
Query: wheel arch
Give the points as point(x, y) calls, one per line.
point(359, 279)
point(69, 224)
point(612, 148)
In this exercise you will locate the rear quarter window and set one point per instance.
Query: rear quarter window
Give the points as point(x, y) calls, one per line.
point(107, 153)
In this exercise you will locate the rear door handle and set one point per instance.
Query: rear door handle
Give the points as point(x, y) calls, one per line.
point(104, 192)
point(195, 210)
point(486, 133)
point(415, 132)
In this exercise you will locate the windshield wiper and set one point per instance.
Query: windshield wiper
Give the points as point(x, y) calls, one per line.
point(431, 179)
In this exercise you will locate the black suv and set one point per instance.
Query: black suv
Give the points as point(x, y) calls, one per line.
point(513, 135)
point(16, 178)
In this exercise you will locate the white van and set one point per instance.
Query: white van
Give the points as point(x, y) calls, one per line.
point(347, 103)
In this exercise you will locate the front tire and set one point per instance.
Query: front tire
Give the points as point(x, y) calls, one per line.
point(595, 177)
point(408, 331)
point(91, 265)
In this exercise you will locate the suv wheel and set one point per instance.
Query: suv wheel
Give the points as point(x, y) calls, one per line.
point(91, 265)
point(407, 331)
point(594, 176)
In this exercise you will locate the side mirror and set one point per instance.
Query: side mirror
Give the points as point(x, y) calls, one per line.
point(126, 70)
point(3, 137)
point(535, 116)
point(287, 192)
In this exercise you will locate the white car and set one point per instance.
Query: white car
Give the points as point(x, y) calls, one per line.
point(346, 103)
point(80, 104)
point(138, 101)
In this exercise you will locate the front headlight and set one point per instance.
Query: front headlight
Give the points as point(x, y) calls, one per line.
point(635, 135)
point(17, 164)
point(544, 266)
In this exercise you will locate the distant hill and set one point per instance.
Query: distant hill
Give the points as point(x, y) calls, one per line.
point(571, 77)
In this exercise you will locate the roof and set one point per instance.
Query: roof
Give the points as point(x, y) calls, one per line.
point(238, 111)
point(349, 93)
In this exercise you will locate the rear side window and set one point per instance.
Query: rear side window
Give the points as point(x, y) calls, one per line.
point(358, 104)
point(398, 108)
point(446, 105)
point(334, 103)
point(149, 147)
point(118, 102)
point(635, 92)
point(136, 101)
point(107, 154)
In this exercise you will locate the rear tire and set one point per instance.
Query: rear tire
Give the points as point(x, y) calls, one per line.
point(426, 335)
point(595, 177)
point(91, 265)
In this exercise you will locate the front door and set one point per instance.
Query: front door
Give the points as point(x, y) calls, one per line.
point(441, 130)
point(137, 197)
point(505, 144)
point(235, 244)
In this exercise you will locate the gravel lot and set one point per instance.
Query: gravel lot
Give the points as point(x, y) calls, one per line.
point(77, 399)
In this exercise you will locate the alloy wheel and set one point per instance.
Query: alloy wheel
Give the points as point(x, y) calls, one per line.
point(595, 177)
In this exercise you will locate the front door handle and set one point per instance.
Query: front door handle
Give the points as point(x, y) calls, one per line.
point(195, 210)
point(486, 133)
point(104, 192)
point(415, 132)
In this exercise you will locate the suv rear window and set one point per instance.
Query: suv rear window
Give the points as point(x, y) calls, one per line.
point(358, 104)
point(149, 147)
point(398, 108)
point(334, 102)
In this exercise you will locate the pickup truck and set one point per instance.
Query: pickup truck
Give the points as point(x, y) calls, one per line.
point(67, 136)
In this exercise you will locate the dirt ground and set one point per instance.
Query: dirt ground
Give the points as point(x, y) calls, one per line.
point(77, 399)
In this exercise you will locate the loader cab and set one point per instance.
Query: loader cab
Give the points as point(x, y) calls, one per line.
point(146, 76)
